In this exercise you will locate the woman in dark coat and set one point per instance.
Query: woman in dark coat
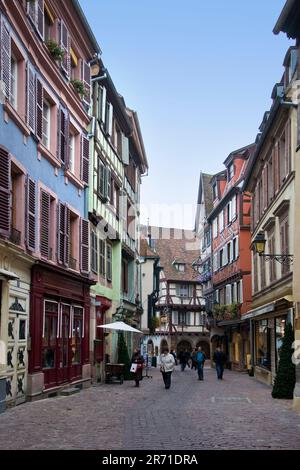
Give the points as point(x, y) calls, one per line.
point(139, 360)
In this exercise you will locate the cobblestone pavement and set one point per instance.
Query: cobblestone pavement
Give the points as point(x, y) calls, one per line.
point(236, 413)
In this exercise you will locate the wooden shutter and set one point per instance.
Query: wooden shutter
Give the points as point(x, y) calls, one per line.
point(5, 59)
point(45, 224)
point(40, 18)
point(94, 251)
point(63, 145)
point(65, 43)
point(288, 163)
point(67, 140)
point(86, 78)
point(30, 215)
point(39, 108)
point(84, 259)
point(109, 119)
point(109, 182)
point(63, 253)
point(85, 154)
point(125, 149)
point(5, 187)
point(276, 168)
point(108, 262)
point(102, 103)
point(30, 97)
point(61, 233)
point(67, 236)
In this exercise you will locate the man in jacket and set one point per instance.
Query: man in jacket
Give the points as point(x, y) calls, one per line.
point(219, 359)
point(200, 362)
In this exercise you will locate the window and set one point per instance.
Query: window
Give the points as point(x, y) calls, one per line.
point(230, 171)
point(182, 318)
point(94, 252)
point(46, 125)
point(48, 24)
point(72, 153)
point(221, 261)
point(279, 334)
point(13, 82)
point(263, 344)
point(74, 235)
point(284, 242)
point(229, 213)
point(102, 257)
point(262, 272)
point(255, 273)
point(184, 290)
point(77, 334)
point(17, 191)
point(124, 276)
point(50, 332)
point(215, 228)
point(215, 191)
point(235, 248)
point(101, 178)
point(229, 253)
point(108, 262)
point(180, 267)
point(221, 221)
point(272, 262)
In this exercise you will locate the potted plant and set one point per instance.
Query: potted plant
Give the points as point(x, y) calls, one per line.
point(55, 50)
point(79, 87)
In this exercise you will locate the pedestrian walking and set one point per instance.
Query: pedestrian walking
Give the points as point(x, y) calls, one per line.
point(219, 359)
point(137, 362)
point(167, 365)
point(194, 359)
point(200, 362)
point(175, 356)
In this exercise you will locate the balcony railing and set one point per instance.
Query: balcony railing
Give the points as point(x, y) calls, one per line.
point(15, 236)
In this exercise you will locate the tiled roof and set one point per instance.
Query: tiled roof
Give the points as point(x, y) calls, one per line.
point(146, 251)
point(208, 194)
point(176, 244)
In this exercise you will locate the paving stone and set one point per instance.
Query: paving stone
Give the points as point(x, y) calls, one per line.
point(237, 413)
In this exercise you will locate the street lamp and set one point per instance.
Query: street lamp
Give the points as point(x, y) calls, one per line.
point(259, 245)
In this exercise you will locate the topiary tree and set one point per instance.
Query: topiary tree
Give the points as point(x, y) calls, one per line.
point(123, 356)
point(285, 380)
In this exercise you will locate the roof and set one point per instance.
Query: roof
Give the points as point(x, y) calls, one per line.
point(176, 244)
point(289, 20)
point(205, 193)
point(146, 251)
point(86, 25)
point(138, 139)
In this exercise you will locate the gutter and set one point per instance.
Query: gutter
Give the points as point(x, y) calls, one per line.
point(283, 16)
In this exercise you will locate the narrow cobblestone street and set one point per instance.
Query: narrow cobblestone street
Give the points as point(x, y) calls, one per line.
point(238, 413)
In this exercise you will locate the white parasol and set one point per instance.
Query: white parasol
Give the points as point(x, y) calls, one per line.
point(119, 325)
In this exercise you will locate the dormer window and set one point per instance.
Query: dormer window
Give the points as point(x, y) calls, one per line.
point(230, 172)
point(180, 267)
point(290, 63)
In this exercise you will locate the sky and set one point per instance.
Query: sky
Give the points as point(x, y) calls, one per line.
point(200, 76)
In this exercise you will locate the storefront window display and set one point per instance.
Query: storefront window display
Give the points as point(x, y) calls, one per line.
point(279, 334)
point(263, 344)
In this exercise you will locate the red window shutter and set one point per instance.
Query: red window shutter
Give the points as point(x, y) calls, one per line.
point(84, 262)
point(5, 59)
point(31, 219)
point(65, 42)
point(288, 147)
point(85, 152)
point(40, 18)
point(86, 78)
point(276, 167)
point(39, 108)
point(45, 224)
point(5, 186)
point(30, 97)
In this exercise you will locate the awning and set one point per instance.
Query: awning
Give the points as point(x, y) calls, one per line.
point(267, 308)
point(8, 275)
point(230, 322)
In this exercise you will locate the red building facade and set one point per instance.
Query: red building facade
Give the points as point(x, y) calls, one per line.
point(231, 257)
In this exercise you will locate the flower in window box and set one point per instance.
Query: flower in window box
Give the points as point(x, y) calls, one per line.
point(55, 50)
point(79, 87)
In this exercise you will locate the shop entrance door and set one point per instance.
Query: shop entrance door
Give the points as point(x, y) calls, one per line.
point(65, 343)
